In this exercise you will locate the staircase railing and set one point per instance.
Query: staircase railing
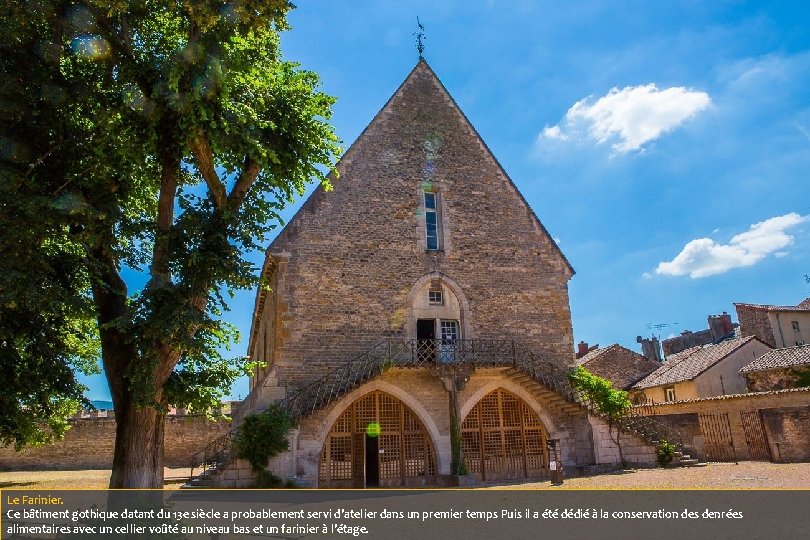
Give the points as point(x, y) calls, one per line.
point(437, 353)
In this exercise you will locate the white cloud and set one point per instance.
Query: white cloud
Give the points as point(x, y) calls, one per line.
point(704, 257)
point(553, 132)
point(631, 116)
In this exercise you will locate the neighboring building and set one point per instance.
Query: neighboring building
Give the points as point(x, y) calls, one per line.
point(583, 348)
point(619, 365)
point(778, 326)
point(779, 369)
point(423, 283)
point(720, 327)
point(705, 371)
point(650, 348)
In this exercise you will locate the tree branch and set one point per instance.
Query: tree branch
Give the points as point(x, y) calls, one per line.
point(250, 171)
point(205, 164)
point(169, 173)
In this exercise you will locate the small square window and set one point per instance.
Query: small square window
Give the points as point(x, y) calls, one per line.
point(669, 393)
point(795, 325)
point(436, 297)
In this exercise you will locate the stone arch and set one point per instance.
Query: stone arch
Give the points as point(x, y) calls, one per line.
point(422, 285)
point(503, 438)
point(403, 437)
point(519, 391)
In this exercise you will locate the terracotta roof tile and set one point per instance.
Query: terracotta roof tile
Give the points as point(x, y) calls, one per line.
point(780, 358)
point(688, 364)
point(619, 365)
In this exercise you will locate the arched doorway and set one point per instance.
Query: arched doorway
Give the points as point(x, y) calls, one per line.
point(504, 439)
point(377, 441)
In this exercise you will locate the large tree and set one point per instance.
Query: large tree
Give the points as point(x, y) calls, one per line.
point(162, 137)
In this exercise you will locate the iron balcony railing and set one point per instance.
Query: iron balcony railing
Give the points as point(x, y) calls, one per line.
point(433, 354)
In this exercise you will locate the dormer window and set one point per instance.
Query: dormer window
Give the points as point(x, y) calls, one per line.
point(431, 222)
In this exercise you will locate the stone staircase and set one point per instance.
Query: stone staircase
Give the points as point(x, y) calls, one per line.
point(546, 380)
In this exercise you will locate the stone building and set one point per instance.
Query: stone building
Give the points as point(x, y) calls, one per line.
point(619, 365)
point(778, 326)
point(421, 297)
point(779, 369)
point(719, 328)
point(699, 372)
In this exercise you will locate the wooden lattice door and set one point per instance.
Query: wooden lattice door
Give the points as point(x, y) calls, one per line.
point(755, 436)
point(718, 442)
point(502, 438)
point(404, 453)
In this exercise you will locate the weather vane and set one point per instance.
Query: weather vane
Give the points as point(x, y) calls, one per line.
point(420, 37)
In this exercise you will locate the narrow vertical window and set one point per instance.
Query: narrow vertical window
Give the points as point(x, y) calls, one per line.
point(431, 222)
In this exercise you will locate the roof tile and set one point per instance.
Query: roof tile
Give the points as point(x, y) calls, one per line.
point(688, 364)
point(780, 358)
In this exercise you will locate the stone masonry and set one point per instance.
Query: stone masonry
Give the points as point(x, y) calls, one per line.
point(90, 441)
point(354, 267)
point(343, 268)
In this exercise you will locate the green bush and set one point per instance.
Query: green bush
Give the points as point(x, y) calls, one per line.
point(611, 402)
point(262, 436)
point(665, 452)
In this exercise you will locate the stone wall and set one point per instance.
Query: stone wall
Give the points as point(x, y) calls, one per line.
point(754, 321)
point(90, 441)
point(789, 431)
point(584, 439)
point(345, 266)
point(793, 437)
point(773, 379)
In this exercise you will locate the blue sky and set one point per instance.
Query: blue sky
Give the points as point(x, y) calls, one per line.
point(665, 145)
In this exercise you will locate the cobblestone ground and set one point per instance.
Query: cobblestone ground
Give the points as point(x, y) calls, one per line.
point(745, 475)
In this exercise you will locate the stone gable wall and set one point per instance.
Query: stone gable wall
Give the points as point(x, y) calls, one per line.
point(755, 322)
point(352, 256)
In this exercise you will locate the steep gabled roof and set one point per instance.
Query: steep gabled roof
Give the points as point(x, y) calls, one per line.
point(285, 239)
point(688, 364)
point(780, 358)
point(619, 365)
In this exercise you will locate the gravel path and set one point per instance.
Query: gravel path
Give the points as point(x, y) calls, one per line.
point(745, 475)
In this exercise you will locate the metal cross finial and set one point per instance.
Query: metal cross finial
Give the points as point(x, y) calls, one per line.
point(420, 37)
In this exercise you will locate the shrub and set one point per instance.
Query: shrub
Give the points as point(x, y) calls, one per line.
point(665, 452)
point(262, 436)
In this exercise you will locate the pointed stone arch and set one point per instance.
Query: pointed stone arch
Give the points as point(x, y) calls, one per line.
point(377, 440)
point(503, 438)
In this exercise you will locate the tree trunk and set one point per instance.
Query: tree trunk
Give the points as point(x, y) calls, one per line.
point(138, 455)
point(138, 459)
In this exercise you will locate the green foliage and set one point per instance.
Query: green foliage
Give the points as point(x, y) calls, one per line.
point(262, 436)
point(457, 465)
point(611, 402)
point(665, 452)
point(802, 377)
point(153, 137)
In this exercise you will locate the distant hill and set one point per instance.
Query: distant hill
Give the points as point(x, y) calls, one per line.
point(102, 405)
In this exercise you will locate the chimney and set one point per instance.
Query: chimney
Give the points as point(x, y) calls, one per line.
point(650, 348)
point(720, 325)
point(582, 349)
